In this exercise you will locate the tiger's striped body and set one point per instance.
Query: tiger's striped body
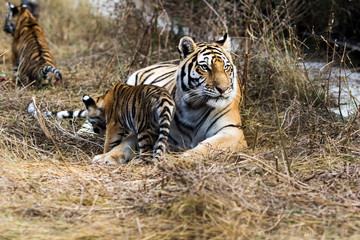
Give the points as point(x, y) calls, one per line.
point(144, 110)
point(30, 54)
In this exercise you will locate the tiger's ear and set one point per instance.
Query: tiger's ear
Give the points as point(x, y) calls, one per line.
point(88, 101)
point(186, 46)
point(225, 42)
point(11, 8)
point(24, 5)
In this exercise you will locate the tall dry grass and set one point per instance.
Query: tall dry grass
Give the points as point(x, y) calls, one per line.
point(50, 193)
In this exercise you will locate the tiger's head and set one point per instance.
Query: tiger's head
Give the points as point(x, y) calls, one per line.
point(96, 114)
point(207, 75)
point(10, 24)
point(13, 12)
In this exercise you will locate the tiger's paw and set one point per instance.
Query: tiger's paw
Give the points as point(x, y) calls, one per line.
point(109, 159)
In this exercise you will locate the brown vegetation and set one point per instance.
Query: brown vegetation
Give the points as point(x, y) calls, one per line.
point(47, 193)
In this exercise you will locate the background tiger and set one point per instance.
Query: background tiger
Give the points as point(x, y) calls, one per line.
point(206, 92)
point(30, 54)
point(144, 111)
point(33, 6)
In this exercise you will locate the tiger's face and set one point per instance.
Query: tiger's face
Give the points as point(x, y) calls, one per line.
point(10, 24)
point(96, 115)
point(207, 76)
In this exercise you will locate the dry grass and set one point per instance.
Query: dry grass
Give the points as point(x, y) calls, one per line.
point(240, 195)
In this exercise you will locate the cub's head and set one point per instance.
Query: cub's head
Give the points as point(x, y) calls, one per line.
point(207, 75)
point(13, 12)
point(96, 114)
point(33, 6)
point(10, 18)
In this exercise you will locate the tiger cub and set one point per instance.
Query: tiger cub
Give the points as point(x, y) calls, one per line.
point(30, 54)
point(145, 111)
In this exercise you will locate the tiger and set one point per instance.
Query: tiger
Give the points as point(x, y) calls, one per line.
point(33, 6)
point(207, 97)
point(144, 110)
point(30, 54)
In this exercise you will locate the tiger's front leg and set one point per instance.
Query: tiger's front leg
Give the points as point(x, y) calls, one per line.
point(146, 142)
point(114, 136)
point(120, 154)
point(228, 139)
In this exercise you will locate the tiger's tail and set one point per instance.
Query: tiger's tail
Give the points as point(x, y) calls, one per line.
point(59, 115)
point(166, 113)
point(53, 70)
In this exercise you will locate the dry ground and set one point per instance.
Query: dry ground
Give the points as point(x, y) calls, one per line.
point(47, 193)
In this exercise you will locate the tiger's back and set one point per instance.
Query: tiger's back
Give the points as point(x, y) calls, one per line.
point(162, 75)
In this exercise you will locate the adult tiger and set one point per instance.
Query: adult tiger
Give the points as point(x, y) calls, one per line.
point(206, 92)
point(207, 95)
point(30, 53)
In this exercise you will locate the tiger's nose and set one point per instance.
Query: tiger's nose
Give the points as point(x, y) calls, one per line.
point(221, 89)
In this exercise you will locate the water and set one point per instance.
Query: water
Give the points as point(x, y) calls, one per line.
point(104, 7)
point(349, 89)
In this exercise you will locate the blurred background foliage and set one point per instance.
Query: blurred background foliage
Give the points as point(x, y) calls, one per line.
point(276, 34)
point(149, 27)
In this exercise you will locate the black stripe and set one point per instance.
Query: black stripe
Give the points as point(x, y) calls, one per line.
point(164, 76)
point(230, 125)
point(149, 70)
point(183, 87)
point(168, 100)
point(146, 78)
point(217, 118)
point(140, 139)
point(31, 25)
point(136, 78)
point(115, 143)
point(165, 110)
point(163, 132)
point(203, 119)
point(167, 126)
point(162, 139)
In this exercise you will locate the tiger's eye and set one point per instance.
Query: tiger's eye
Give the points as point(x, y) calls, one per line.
point(204, 67)
point(227, 67)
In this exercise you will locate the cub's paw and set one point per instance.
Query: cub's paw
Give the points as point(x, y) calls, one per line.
point(99, 159)
point(109, 159)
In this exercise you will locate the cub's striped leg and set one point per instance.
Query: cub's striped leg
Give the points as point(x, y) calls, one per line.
point(166, 116)
point(122, 153)
point(146, 141)
point(114, 136)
